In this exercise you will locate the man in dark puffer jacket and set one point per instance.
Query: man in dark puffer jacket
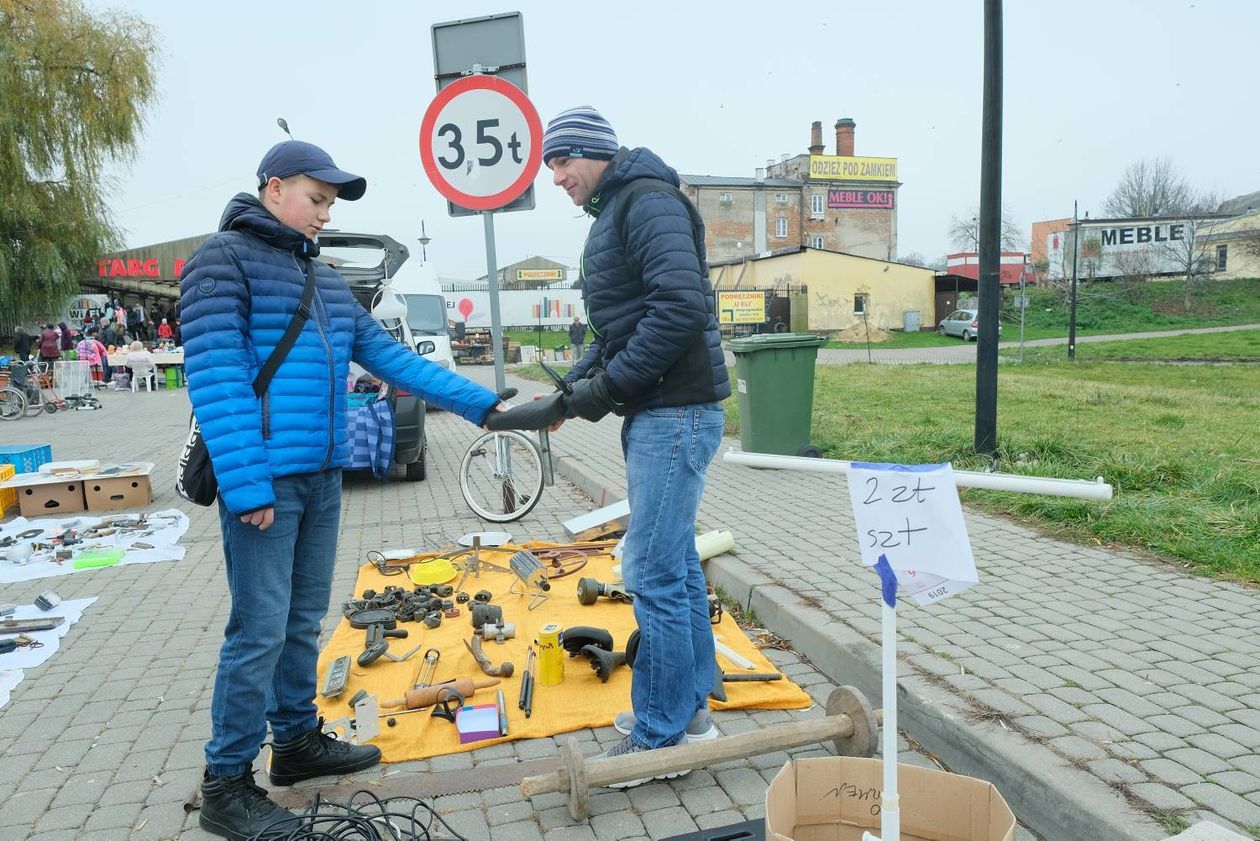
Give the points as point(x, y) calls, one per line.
point(656, 360)
point(278, 461)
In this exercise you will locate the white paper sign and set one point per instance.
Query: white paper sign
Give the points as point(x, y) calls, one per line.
point(910, 514)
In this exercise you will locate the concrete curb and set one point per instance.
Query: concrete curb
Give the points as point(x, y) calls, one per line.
point(1052, 797)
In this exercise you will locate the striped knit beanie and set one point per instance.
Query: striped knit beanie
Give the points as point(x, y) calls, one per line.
point(580, 132)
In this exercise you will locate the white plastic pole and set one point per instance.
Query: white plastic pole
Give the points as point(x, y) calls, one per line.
point(1079, 488)
point(890, 800)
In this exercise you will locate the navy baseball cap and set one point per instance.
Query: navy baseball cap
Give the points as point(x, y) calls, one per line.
point(295, 157)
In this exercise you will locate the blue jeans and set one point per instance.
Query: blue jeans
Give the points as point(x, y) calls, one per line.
point(667, 456)
point(280, 581)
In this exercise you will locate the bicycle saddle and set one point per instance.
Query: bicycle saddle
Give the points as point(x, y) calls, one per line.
point(535, 414)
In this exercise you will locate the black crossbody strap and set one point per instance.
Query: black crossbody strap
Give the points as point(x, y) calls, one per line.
point(290, 335)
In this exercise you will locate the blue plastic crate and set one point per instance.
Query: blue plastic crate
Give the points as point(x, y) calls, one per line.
point(26, 458)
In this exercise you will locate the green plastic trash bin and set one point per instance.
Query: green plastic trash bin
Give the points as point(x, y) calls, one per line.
point(774, 384)
point(172, 377)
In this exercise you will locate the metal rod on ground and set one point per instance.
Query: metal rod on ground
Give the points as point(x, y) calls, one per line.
point(1079, 488)
point(850, 723)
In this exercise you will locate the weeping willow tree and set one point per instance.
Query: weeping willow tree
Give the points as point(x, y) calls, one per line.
point(73, 89)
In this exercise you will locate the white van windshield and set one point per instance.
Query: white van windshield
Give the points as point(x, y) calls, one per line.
point(426, 314)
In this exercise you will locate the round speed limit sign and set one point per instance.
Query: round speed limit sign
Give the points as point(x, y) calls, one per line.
point(481, 142)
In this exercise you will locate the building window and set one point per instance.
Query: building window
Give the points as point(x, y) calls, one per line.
point(724, 198)
point(780, 227)
point(815, 242)
point(780, 198)
point(816, 208)
point(1222, 256)
point(859, 303)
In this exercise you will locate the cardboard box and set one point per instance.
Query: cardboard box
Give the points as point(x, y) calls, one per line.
point(837, 798)
point(117, 492)
point(51, 498)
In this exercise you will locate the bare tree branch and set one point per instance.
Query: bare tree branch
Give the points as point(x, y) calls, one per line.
point(1151, 188)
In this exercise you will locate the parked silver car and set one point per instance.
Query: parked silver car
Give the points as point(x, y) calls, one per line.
point(962, 323)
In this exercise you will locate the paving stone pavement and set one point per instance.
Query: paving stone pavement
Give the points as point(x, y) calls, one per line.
point(1103, 667)
point(105, 740)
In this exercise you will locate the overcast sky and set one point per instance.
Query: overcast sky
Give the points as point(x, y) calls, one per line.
point(714, 88)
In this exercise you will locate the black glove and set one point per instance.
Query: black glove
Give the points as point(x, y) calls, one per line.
point(590, 399)
point(536, 414)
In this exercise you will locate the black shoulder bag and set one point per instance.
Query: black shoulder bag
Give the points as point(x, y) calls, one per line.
point(194, 477)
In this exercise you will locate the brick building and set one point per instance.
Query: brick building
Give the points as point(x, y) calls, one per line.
point(835, 202)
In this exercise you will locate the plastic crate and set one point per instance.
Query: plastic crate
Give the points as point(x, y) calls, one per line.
point(26, 458)
point(8, 496)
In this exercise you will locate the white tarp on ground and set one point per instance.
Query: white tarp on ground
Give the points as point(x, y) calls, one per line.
point(28, 657)
point(157, 539)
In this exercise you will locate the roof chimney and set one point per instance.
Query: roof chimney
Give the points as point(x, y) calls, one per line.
point(784, 158)
point(844, 137)
point(815, 138)
point(769, 163)
point(760, 176)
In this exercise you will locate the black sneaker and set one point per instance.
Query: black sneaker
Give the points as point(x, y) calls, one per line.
point(238, 808)
point(317, 754)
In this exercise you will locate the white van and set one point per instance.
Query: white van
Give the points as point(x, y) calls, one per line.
point(426, 313)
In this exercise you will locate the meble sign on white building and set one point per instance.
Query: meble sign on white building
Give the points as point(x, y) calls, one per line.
point(1114, 248)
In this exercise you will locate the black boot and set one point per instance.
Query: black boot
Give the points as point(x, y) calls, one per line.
point(316, 754)
point(237, 808)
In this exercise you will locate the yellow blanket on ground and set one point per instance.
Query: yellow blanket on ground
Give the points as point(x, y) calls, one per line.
point(578, 702)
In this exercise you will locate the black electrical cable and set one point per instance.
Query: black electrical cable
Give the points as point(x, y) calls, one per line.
point(369, 819)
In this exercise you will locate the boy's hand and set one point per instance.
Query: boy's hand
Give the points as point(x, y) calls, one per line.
point(502, 407)
point(263, 518)
point(555, 425)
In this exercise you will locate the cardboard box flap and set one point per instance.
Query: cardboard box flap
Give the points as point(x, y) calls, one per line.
point(835, 798)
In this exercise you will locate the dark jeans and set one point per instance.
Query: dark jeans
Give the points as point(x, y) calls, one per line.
point(280, 580)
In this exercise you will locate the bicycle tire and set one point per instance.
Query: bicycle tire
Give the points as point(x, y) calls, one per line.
point(12, 404)
point(496, 493)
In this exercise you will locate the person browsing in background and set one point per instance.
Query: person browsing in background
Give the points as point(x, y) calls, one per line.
point(577, 337)
point(164, 330)
point(49, 344)
point(22, 342)
point(656, 360)
point(278, 460)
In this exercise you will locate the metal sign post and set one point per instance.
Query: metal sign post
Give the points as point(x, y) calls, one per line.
point(481, 139)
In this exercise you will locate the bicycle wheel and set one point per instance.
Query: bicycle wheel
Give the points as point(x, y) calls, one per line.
point(501, 476)
point(12, 404)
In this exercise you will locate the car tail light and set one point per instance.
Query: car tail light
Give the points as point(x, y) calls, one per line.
point(975, 325)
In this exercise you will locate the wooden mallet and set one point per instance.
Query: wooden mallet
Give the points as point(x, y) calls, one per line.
point(850, 723)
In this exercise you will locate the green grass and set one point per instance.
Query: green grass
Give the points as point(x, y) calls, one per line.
point(550, 338)
point(1104, 308)
point(1176, 442)
point(1241, 346)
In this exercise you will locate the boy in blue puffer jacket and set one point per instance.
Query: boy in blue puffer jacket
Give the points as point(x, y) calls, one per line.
point(278, 461)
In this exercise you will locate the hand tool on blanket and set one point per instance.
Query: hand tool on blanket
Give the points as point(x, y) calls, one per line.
point(850, 723)
point(21, 626)
point(504, 669)
point(527, 683)
point(427, 695)
point(589, 590)
point(376, 645)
